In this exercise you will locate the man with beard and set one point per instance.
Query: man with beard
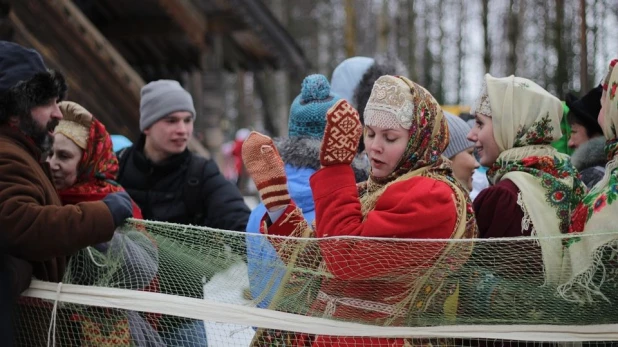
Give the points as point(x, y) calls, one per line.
point(38, 233)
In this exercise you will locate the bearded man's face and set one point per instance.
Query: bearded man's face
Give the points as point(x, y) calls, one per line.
point(40, 125)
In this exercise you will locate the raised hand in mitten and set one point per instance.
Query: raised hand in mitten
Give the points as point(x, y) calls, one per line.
point(341, 135)
point(266, 169)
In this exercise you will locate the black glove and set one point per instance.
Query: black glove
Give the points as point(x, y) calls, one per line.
point(120, 206)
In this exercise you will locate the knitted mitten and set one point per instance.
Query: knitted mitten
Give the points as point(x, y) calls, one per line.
point(266, 168)
point(341, 135)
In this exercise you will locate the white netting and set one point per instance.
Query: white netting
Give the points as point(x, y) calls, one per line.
point(158, 284)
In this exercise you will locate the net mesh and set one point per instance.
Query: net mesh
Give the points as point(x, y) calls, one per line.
point(158, 284)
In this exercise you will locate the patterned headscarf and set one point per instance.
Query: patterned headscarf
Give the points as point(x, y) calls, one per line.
point(595, 216)
point(98, 167)
point(526, 119)
point(610, 86)
point(397, 101)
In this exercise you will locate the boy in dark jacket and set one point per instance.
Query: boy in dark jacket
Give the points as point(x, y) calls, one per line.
point(170, 184)
point(156, 170)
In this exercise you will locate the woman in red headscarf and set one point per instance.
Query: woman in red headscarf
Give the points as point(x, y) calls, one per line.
point(84, 168)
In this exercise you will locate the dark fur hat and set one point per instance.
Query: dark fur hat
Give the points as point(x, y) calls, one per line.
point(20, 99)
point(25, 82)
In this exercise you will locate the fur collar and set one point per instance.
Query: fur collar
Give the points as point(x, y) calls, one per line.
point(590, 154)
point(304, 152)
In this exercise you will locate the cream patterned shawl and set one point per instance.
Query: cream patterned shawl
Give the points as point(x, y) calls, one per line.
point(526, 119)
point(590, 265)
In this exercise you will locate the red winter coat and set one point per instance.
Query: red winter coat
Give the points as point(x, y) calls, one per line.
point(416, 208)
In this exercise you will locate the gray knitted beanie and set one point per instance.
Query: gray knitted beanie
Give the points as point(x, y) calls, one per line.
point(160, 98)
point(458, 130)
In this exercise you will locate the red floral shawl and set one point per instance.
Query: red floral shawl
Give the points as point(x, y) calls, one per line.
point(97, 170)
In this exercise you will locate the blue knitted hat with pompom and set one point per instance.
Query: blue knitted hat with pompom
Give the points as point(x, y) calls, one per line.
point(308, 111)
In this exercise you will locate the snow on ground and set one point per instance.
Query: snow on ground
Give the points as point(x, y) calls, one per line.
point(228, 287)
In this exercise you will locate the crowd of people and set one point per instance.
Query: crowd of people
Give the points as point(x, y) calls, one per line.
point(369, 154)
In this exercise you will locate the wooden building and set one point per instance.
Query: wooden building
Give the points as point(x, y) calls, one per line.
point(108, 49)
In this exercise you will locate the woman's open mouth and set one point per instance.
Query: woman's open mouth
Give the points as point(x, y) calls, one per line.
point(375, 162)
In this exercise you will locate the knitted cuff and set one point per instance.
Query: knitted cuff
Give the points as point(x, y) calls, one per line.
point(266, 168)
point(341, 135)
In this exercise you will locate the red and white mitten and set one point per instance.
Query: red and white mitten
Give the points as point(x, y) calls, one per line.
point(341, 135)
point(267, 170)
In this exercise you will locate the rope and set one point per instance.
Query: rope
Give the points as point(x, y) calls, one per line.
point(52, 324)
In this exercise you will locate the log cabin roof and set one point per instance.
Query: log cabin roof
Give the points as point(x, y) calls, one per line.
point(159, 37)
point(150, 39)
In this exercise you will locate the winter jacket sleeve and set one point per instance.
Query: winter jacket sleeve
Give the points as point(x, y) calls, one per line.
point(35, 231)
point(417, 208)
point(225, 207)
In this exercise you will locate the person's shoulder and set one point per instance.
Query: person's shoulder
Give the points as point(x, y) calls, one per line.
point(206, 166)
point(7, 143)
point(207, 171)
point(124, 152)
point(592, 175)
point(506, 186)
point(420, 186)
point(503, 191)
point(425, 200)
point(12, 151)
point(419, 181)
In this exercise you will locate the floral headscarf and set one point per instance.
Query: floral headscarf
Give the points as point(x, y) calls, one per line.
point(526, 119)
point(595, 217)
point(397, 101)
point(98, 167)
point(610, 88)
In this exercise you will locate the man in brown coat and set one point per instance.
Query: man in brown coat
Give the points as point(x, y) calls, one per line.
point(34, 225)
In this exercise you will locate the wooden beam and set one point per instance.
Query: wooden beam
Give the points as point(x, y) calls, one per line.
point(98, 43)
point(166, 28)
point(129, 29)
point(6, 29)
point(189, 18)
point(225, 23)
